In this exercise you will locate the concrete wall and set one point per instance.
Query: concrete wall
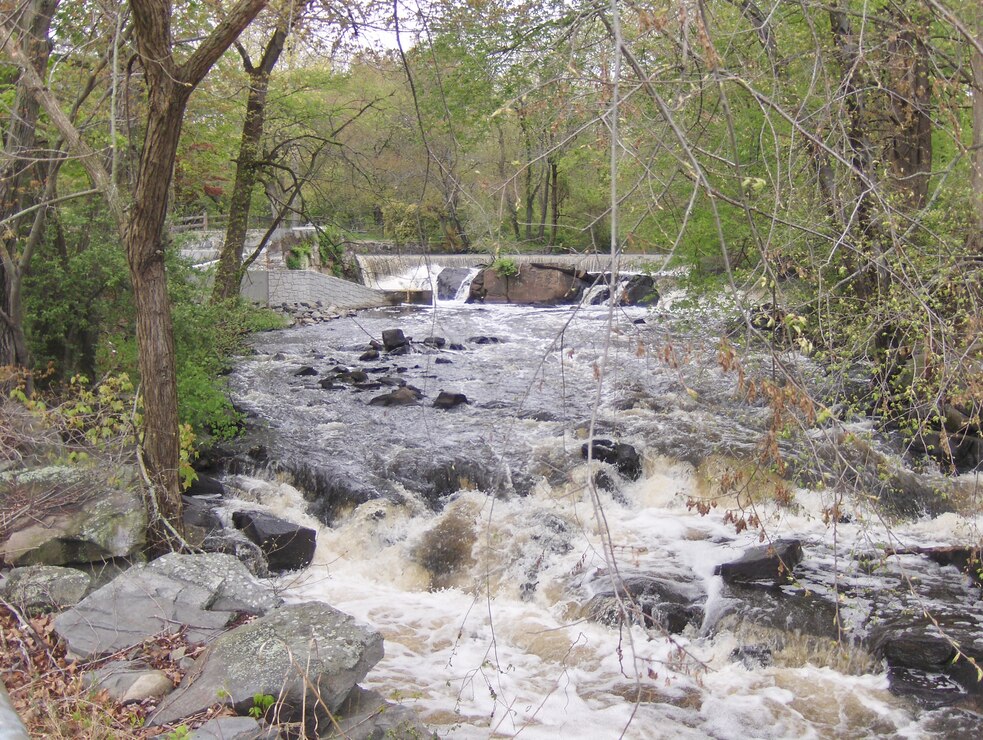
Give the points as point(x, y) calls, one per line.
point(271, 288)
point(377, 267)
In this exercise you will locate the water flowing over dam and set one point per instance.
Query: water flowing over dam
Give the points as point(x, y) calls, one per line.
point(496, 559)
point(418, 271)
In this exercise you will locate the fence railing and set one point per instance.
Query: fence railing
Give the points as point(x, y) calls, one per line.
point(205, 221)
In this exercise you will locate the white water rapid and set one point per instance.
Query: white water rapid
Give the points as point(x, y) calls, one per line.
point(474, 538)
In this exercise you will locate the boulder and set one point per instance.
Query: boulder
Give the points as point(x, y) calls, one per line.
point(770, 564)
point(202, 593)
point(206, 485)
point(11, 727)
point(42, 588)
point(669, 603)
point(921, 655)
point(639, 290)
point(446, 400)
point(305, 371)
point(434, 342)
point(287, 546)
point(535, 284)
point(480, 340)
point(449, 281)
point(369, 355)
point(307, 656)
point(200, 514)
point(233, 728)
point(622, 456)
point(130, 681)
point(365, 715)
point(235, 543)
point(87, 521)
point(405, 396)
point(393, 339)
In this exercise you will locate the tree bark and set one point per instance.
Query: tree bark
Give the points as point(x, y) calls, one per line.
point(555, 222)
point(509, 198)
point(976, 240)
point(910, 143)
point(229, 274)
point(15, 175)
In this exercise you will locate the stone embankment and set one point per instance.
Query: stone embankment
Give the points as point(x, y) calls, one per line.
point(202, 635)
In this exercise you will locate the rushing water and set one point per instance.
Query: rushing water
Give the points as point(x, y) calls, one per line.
point(474, 539)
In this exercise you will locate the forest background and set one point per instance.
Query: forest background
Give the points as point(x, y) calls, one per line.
point(829, 154)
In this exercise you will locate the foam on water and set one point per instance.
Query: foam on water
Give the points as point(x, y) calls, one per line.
point(478, 660)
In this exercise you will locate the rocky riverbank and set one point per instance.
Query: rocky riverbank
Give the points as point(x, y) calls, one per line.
point(200, 643)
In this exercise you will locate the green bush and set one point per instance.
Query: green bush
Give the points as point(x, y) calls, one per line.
point(505, 267)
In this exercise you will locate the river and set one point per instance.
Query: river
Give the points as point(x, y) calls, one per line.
point(481, 544)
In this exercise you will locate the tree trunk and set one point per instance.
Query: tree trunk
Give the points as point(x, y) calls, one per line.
point(144, 241)
point(544, 205)
point(976, 240)
point(868, 283)
point(15, 175)
point(910, 143)
point(509, 199)
point(555, 223)
point(229, 274)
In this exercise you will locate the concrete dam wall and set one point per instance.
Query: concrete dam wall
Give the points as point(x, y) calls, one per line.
point(384, 271)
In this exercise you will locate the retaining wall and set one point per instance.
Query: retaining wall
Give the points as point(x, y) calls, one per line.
point(274, 287)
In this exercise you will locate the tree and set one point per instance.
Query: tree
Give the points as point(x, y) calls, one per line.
point(228, 276)
point(169, 81)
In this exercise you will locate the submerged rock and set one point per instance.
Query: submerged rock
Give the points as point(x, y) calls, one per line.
point(622, 456)
point(763, 564)
point(405, 396)
point(446, 400)
point(670, 603)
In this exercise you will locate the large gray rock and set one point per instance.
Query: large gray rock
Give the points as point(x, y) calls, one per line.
point(235, 543)
point(86, 520)
point(232, 728)
point(365, 715)
point(130, 681)
point(201, 592)
point(42, 588)
point(11, 727)
point(308, 656)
